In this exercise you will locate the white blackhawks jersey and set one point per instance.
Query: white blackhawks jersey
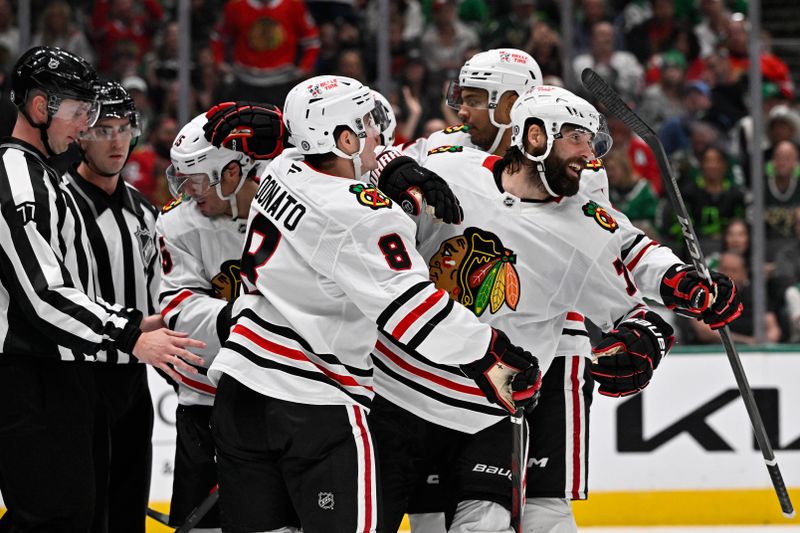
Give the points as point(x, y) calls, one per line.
point(200, 274)
point(326, 262)
point(532, 269)
point(450, 136)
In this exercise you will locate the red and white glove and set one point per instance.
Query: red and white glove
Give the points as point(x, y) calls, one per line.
point(249, 127)
point(625, 358)
point(508, 375)
point(686, 292)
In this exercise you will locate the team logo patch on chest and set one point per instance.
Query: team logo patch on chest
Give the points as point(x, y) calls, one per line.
point(601, 216)
point(172, 205)
point(455, 129)
point(594, 164)
point(446, 149)
point(370, 196)
point(228, 282)
point(477, 271)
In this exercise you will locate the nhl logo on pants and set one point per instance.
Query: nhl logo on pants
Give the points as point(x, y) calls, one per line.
point(325, 501)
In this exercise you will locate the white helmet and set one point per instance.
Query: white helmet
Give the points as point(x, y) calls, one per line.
point(195, 160)
point(497, 71)
point(316, 106)
point(555, 106)
point(387, 133)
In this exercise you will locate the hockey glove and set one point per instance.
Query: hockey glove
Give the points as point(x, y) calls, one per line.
point(508, 375)
point(249, 127)
point(686, 292)
point(402, 177)
point(624, 360)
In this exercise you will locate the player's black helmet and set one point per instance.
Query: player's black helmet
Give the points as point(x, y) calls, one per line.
point(58, 73)
point(115, 102)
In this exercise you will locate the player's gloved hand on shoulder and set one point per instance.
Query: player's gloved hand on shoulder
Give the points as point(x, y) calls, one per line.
point(686, 292)
point(401, 177)
point(508, 375)
point(250, 127)
point(625, 358)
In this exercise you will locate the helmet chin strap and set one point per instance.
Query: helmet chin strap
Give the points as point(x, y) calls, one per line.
point(355, 158)
point(540, 169)
point(231, 197)
point(42, 131)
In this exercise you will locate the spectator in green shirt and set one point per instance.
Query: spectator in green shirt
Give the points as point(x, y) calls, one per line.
point(630, 193)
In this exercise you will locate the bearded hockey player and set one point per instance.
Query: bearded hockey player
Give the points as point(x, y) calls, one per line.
point(540, 248)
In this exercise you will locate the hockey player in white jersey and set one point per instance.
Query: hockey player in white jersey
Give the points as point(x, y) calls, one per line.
point(201, 235)
point(536, 248)
point(327, 261)
point(488, 84)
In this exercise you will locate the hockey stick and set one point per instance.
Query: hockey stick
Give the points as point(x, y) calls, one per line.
point(200, 511)
point(518, 469)
point(158, 516)
point(611, 100)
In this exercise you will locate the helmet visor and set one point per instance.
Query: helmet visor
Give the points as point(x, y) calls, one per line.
point(187, 185)
point(107, 132)
point(599, 142)
point(380, 116)
point(475, 98)
point(71, 110)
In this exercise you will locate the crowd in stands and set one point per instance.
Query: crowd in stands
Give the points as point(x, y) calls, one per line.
point(683, 64)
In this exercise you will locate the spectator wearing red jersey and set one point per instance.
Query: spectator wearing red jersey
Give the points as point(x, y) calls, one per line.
point(147, 167)
point(116, 21)
point(262, 42)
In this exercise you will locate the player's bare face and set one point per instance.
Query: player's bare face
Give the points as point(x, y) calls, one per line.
point(567, 160)
point(443, 266)
point(210, 204)
point(474, 112)
point(108, 152)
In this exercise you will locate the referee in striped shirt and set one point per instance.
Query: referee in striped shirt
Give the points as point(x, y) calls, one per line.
point(120, 226)
point(51, 317)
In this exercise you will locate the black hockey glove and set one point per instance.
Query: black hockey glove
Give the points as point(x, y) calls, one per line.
point(402, 177)
point(508, 375)
point(685, 291)
point(250, 127)
point(625, 358)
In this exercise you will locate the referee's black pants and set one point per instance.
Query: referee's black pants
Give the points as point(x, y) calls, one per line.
point(47, 473)
point(124, 451)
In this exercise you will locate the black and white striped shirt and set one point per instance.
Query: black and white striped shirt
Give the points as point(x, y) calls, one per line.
point(121, 231)
point(48, 304)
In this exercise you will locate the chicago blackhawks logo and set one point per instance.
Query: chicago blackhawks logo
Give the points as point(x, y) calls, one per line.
point(594, 164)
point(228, 282)
point(601, 216)
point(446, 149)
point(477, 271)
point(172, 205)
point(455, 129)
point(370, 196)
point(265, 34)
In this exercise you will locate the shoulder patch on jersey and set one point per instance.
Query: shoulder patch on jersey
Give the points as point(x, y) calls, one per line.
point(455, 129)
point(172, 205)
point(594, 164)
point(477, 271)
point(446, 149)
point(601, 216)
point(370, 196)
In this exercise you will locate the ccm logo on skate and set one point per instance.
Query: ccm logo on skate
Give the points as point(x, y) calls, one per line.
point(490, 469)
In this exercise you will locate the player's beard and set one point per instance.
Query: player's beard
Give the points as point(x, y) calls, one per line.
point(559, 177)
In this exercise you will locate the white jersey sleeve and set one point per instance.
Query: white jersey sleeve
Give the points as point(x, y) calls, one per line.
point(450, 136)
point(200, 275)
point(645, 259)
